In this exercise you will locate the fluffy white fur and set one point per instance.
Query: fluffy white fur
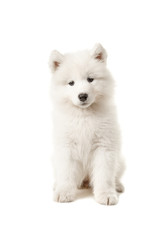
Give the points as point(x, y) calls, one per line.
point(87, 137)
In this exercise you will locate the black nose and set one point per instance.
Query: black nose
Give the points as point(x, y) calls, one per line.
point(83, 97)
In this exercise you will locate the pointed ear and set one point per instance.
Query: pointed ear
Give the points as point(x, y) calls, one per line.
point(55, 60)
point(99, 53)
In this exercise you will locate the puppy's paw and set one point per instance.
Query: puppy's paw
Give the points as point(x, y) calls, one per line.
point(64, 195)
point(107, 198)
point(119, 187)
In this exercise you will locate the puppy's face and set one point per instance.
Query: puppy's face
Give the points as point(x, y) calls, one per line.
point(80, 78)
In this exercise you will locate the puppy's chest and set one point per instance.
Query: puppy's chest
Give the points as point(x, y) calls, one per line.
point(81, 136)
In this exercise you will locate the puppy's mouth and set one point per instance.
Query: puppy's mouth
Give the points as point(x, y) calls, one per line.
point(84, 104)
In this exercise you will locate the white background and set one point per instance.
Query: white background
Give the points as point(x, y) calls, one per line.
point(130, 31)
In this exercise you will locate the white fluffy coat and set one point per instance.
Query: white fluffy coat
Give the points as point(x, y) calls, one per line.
point(87, 136)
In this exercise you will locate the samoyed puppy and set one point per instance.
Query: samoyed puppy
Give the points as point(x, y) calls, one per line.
point(87, 136)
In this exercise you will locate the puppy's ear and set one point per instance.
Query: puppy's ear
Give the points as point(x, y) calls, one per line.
point(55, 60)
point(99, 53)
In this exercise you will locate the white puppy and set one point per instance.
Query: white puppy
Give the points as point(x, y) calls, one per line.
point(87, 138)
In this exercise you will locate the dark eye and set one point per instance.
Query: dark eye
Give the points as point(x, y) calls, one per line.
point(71, 83)
point(90, 79)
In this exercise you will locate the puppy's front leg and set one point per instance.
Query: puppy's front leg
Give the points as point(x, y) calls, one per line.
point(103, 178)
point(65, 188)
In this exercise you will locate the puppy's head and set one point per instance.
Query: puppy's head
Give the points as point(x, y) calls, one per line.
point(81, 78)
